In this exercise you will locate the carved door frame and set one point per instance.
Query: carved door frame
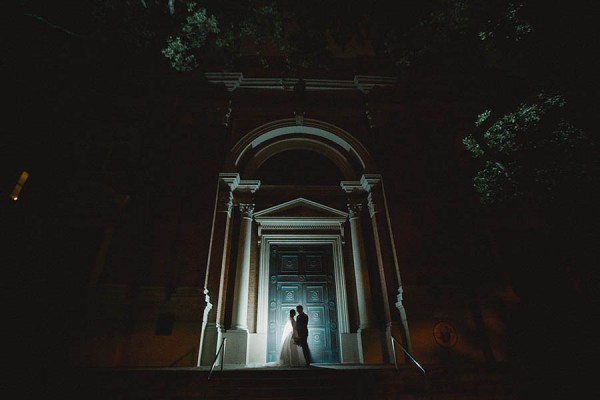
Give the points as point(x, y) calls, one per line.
point(335, 241)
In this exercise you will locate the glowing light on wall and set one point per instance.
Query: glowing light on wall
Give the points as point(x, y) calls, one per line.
point(19, 186)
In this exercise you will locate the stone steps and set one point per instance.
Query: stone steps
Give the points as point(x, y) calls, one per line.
point(299, 383)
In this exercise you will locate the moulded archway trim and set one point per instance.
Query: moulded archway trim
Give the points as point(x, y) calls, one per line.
point(354, 153)
point(265, 152)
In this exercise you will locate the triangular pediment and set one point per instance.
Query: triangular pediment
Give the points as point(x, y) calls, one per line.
point(300, 208)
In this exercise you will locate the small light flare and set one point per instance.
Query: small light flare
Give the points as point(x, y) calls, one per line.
point(20, 183)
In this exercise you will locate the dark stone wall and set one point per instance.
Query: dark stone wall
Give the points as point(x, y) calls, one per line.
point(121, 197)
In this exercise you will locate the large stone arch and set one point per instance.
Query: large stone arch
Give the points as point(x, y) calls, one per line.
point(344, 150)
point(276, 215)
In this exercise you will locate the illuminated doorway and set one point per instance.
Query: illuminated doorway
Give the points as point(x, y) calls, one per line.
point(303, 274)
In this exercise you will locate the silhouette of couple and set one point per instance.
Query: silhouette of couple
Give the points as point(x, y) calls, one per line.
point(294, 350)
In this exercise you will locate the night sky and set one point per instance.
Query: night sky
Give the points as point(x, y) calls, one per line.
point(62, 66)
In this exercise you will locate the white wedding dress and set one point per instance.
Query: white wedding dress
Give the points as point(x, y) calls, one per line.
point(290, 354)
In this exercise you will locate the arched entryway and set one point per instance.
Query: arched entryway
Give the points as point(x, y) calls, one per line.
point(302, 262)
point(279, 242)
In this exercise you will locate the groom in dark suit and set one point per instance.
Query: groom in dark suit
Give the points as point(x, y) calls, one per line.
point(302, 328)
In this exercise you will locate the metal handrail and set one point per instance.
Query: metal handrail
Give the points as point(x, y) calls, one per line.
point(394, 341)
point(221, 351)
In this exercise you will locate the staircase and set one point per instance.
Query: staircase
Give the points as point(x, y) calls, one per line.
point(317, 382)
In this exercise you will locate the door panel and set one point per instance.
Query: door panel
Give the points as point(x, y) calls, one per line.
point(303, 274)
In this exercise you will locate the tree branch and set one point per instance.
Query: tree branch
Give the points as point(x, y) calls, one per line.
point(60, 28)
point(488, 153)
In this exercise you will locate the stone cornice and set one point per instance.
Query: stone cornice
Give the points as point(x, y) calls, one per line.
point(352, 186)
point(304, 224)
point(300, 222)
point(232, 179)
point(248, 186)
point(287, 223)
point(235, 80)
point(368, 181)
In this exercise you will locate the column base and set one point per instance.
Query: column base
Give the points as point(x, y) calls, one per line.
point(370, 346)
point(257, 348)
point(349, 348)
point(236, 347)
point(209, 344)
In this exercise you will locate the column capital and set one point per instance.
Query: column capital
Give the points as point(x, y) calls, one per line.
point(354, 210)
point(224, 200)
point(247, 210)
point(374, 202)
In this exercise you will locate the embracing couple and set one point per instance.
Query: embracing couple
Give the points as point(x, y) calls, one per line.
point(294, 346)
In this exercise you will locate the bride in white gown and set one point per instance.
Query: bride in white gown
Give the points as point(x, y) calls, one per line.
point(290, 354)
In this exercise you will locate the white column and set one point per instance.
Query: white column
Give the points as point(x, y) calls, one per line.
point(238, 335)
point(369, 337)
point(242, 279)
point(363, 287)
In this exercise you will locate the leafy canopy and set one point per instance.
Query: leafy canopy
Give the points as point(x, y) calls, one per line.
point(304, 33)
point(531, 156)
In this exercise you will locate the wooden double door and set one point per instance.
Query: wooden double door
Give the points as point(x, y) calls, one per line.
point(303, 274)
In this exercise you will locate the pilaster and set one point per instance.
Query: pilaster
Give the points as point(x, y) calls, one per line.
point(387, 261)
point(217, 266)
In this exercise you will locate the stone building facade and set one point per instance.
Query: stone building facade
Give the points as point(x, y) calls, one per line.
point(209, 205)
